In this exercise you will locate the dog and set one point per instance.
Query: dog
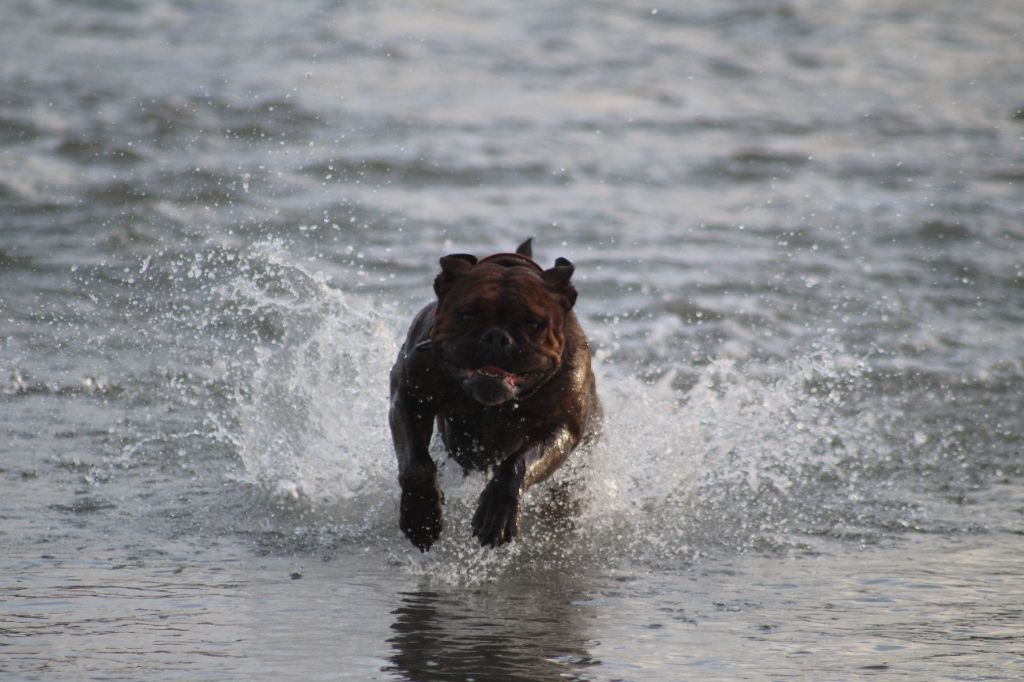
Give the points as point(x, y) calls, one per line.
point(501, 364)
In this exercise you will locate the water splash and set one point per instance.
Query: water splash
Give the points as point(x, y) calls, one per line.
point(743, 456)
point(312, 420)
point(739, 457)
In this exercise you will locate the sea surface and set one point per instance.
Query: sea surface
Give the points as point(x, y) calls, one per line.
point(798, 231)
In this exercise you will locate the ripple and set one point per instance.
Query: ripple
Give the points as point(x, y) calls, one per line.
point(13, 261)
point(17, 130)
point(754, 165)
point(422, 171)
point(171, 119)
point(85, 505)
point(944, 231)
point(93, 149)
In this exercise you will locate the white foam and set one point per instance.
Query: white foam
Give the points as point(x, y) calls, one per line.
point(676, 471)
point(721, 462)
point(313, 422)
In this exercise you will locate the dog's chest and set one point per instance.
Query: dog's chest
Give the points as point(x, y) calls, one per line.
point(480, 440)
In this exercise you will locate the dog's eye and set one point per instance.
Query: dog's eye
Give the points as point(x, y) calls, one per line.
point(467, 316)
point(535, 324)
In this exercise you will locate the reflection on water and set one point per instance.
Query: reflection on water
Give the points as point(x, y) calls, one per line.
point(525, 631)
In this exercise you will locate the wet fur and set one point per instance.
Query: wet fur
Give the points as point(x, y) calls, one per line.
point(520, 429)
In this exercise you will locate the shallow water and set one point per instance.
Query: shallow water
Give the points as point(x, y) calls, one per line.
point(799, 250)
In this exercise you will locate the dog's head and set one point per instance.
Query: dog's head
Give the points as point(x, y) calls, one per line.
point(499, 327)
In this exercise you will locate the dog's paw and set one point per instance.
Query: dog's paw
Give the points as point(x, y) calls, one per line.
point(420, 516)
point(496, 520)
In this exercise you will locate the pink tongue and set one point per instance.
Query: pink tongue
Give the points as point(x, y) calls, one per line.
point(493, 371)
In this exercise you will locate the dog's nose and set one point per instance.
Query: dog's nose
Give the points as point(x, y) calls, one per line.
point(497, 338)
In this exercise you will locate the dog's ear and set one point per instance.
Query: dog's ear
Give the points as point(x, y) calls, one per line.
point(526, 248)
point(557, 280)
point(452, 267)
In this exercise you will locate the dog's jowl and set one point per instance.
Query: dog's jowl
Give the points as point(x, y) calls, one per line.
point(500, 364)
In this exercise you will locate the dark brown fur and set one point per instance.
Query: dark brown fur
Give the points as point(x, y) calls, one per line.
point(501, 364)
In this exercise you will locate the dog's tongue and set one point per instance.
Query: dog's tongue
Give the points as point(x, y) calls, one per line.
point(492, 371)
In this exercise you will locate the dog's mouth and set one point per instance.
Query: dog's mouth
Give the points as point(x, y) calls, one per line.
point(495, 373)
point(491, 383)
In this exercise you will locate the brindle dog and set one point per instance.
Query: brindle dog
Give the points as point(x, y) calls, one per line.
point(500, 362)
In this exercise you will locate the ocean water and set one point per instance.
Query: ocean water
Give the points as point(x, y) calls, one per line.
point(798, 230)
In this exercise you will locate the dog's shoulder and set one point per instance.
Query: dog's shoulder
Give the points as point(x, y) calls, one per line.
point(416, 370)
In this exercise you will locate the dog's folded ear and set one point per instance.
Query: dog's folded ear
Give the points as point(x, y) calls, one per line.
point(452, 267)
point(557, 280)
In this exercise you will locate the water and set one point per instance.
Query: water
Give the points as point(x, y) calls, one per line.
point(799, 249)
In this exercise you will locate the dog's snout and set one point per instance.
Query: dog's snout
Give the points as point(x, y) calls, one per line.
point(497, 339)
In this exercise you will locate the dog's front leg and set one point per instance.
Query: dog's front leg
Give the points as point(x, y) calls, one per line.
point(497, 516)
point(420, 516)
